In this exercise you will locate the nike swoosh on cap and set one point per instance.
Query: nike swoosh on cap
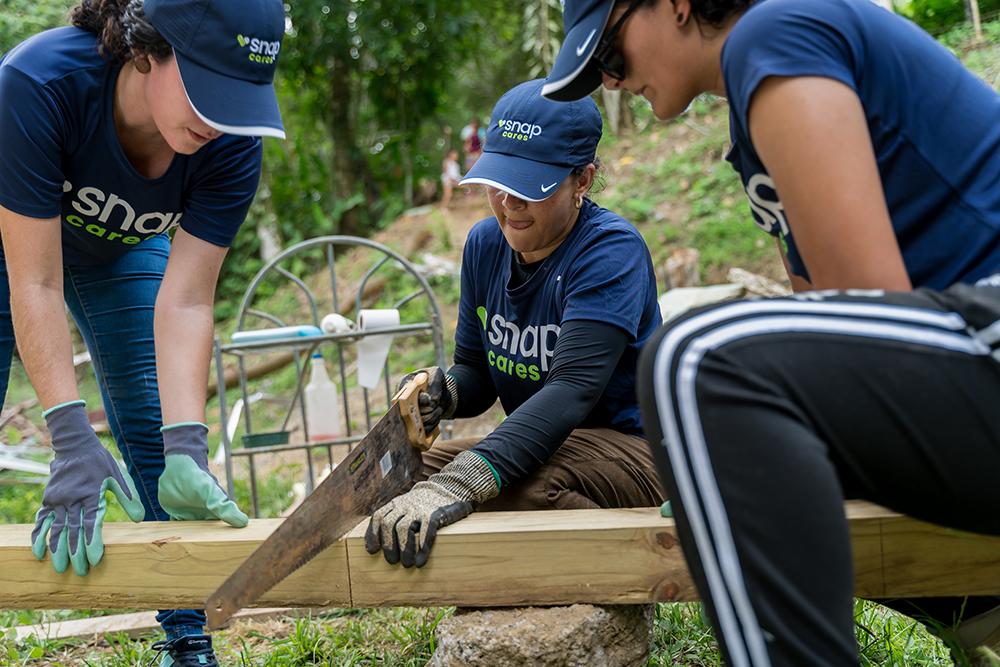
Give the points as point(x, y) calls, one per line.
point(583, 47)
point(546, 189)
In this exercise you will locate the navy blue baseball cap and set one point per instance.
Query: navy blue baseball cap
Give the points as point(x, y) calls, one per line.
point(532, 144)
point(574, 74)
point(226, 51)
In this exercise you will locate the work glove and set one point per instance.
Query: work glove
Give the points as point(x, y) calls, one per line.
point(73, 504)
point(439, 400)
point(188, 491)
point(405, 528)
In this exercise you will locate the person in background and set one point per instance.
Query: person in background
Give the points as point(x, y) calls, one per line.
point(873, 156)
point(558, 296)
point(140, 119)
point(450, 176)
point(473, 137)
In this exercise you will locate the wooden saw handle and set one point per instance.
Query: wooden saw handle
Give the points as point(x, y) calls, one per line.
point(409, 410)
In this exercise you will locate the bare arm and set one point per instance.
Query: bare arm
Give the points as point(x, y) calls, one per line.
point(33, 250)
point(184, 326)
point(812, 136)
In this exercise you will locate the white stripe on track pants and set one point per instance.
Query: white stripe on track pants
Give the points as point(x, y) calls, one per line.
point(765, 414)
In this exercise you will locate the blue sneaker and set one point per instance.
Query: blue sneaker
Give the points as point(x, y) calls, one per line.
point(190, 651)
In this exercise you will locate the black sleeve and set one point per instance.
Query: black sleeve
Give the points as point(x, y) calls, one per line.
point(585, 355)
point(476, 391)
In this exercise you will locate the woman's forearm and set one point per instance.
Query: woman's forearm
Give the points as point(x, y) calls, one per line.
point(33, 257)
point(43, 341)
point(183, 326)
point(183, 335)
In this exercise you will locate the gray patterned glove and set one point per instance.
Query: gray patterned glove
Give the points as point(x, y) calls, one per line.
point(411, 521)
point(73, 505)
point(440, 399)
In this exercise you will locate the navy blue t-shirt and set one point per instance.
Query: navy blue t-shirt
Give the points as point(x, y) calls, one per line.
point(601, 272)
point(934, 125)
point(62, 157)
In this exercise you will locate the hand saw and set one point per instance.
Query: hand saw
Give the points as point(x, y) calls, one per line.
point(383, 465)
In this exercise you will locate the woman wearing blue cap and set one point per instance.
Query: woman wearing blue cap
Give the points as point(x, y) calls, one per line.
point(141, 118)
point(885, 152)
point(558, 296)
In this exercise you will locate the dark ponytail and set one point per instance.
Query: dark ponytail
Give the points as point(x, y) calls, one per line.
point(713, 13)
point(122, 27)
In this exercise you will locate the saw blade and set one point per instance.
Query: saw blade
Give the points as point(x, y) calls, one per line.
point(382, 466)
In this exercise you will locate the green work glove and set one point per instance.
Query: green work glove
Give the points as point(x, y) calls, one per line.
point(405, 528)
point(439, 400)
point(73, 505)
point(188, 491)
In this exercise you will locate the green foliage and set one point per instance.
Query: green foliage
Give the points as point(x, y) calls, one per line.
point(369, 92)
point(19, 502)
point(888, 638)
point(274, 490)
point(20, 19)
point(542, 34)
point(391, 637)
point(690, 197)
point(938, 15)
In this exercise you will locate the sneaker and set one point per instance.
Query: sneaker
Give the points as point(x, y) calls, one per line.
point(190, 651)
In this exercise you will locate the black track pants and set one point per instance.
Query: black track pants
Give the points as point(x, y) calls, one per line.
point(770, 412)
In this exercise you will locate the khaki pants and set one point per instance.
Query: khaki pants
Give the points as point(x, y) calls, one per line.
point(593, 468)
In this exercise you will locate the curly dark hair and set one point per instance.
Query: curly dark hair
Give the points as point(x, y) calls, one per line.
point(714, 13)
point(599, 182)
point(122, 27)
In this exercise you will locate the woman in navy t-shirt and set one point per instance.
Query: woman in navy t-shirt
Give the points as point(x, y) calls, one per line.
point(144, 117)
point(873, 156)
point(558, 297)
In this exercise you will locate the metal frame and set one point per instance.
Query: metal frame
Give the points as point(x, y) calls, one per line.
point(303, 347)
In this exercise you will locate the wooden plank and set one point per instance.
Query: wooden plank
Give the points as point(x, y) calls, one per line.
point(505, 558)
point(134, 625)
point(164, 565)
point(866, 543)
point(524, 558)
point(920, 556)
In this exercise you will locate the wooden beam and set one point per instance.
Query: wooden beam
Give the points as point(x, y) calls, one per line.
point(499, 559)
point(624, 556)
point(166, 565)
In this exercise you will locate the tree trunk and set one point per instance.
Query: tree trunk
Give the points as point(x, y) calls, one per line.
point(977, 23)
point(406, 153)
point(618, 111)
point(350, 170)
point(612, 107)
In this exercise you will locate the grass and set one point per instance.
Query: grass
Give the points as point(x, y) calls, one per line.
point(404, 637)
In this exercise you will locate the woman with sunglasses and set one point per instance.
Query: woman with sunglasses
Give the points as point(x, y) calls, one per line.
point(558, 297)
point(873, 156)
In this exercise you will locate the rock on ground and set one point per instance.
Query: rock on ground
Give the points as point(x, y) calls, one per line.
point(578, 636)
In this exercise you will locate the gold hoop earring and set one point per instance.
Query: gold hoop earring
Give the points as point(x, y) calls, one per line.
point(579, 202)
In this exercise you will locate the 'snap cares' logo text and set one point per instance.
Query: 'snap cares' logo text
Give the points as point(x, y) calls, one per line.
point(515, 129)
point(261, 51)
point(521, 351)
point(111, 218)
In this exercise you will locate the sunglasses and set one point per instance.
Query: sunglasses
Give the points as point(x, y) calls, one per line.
point(608, 57)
